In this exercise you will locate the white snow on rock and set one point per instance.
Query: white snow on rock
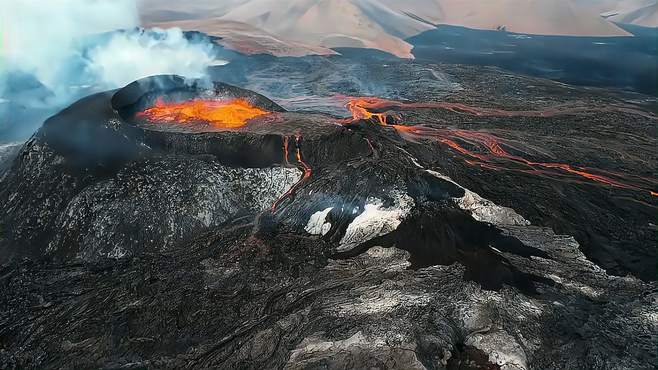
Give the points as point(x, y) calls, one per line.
point(317, 224)
point(376, 220)
point(483, 209)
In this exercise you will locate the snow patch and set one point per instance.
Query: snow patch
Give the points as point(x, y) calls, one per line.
point(483, 209)
point(376, 220)
point(317, 224)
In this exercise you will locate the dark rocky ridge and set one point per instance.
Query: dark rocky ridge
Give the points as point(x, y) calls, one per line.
point(375, 260)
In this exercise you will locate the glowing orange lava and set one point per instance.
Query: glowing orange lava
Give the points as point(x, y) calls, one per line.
point(489, 151)
point(229, 114)
point(373, 107)
point(308, 171)
point(362, 108)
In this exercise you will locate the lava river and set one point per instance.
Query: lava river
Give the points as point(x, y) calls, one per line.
point(483, 149)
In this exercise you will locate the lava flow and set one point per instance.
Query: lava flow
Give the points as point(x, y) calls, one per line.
point(373, 107)
point(489, 151)
point(227, 114)
point(363, 108)
point(308, 171)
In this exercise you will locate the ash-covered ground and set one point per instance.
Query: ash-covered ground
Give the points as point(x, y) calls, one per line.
point(460, 218)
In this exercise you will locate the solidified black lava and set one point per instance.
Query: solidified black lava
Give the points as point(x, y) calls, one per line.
point(294, 242)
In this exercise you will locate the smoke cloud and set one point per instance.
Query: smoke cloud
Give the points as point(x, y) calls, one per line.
point(56, 51)
point(130, 56)
point(41, 37)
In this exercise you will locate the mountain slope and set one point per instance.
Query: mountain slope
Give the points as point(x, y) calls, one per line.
point(334, 23)
point(246, 38)
point(386, 24)
point(637, 12)
point(556, 17)
point(646, 16)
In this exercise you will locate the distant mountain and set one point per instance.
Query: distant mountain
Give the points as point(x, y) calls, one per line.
point(645, 15)
point(246, 38)
point(638, 12)
point(175, 10)
point(554, 17)
point(386, 24)
point(335, 23)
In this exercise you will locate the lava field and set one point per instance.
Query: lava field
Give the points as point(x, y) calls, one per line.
point(475, 220)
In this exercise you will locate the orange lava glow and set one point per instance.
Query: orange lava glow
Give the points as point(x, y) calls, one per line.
point(228, 114)
point(308, 171)
point(362, 108)
point(489, 151)
point(373, 107)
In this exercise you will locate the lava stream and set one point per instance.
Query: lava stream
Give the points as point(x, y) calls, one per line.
point(490, 151)
point(227, 114)
point(493, 151)
point(308, 171)
point(373, 107)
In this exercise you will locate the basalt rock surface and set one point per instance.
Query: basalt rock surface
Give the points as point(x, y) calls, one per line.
point(300, 241)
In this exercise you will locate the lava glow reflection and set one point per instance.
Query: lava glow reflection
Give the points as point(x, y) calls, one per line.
point(228, 114)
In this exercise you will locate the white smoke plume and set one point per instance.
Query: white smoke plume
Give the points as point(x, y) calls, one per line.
point(132, 55)
point(42, 37)
point(74, 47)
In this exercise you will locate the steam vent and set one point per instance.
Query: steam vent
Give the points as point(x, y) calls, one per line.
point(182, 223)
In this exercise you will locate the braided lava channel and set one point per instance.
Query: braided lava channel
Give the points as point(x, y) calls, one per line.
point(490, 151)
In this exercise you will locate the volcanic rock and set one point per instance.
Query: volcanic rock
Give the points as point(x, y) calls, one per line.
point(92, 184)
point(304, 240)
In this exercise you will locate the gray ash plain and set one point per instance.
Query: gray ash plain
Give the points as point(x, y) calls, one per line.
point(396, 237)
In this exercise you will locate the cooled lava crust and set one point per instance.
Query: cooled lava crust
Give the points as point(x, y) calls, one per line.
point(300, 240)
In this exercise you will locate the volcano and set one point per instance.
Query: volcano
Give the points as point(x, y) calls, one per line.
point(192, 223)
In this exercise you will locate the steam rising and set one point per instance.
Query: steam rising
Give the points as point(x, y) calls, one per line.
point(130, 56)
point(41, 37)
point(56, 51)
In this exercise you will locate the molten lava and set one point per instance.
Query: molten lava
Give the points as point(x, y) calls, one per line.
point(363, 108)
point(228, 114)
point(373, 107)
point(489, 151)
point(308, 171)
